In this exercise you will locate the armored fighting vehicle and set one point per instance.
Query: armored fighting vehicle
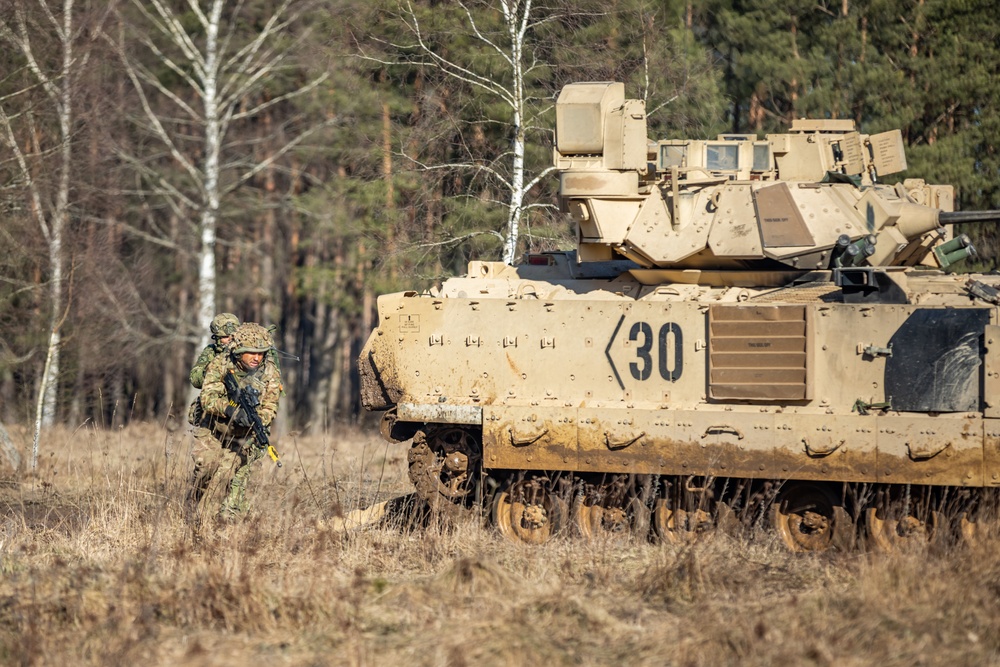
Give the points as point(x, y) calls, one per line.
point(750, 333)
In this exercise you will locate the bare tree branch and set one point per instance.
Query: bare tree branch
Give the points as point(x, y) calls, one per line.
point(274, 157)
point(455, 240)
point(29, 182)
point(155, 123)
point(227, 71)
point(298, 92)
point(507, 84)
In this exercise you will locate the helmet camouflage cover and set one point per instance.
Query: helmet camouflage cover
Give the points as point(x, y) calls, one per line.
point(251, 337)
point(224, 324)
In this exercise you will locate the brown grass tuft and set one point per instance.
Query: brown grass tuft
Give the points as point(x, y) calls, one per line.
point(100, 564)
point(474, 576)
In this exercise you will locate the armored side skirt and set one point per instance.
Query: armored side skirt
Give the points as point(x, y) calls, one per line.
point(952, 450)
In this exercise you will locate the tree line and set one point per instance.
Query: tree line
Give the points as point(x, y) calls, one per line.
point(290, 160)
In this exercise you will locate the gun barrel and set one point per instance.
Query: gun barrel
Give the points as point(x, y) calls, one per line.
point(248, 401)
point(953, 217)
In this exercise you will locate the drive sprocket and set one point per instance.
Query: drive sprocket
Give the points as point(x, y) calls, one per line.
point(445, 467)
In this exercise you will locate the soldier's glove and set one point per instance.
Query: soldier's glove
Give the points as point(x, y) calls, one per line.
point(237, 416)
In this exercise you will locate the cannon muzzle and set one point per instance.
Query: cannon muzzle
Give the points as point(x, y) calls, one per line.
point(957, 217)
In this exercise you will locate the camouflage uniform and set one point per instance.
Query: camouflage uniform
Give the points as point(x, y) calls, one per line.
point(211, 351)
point(223, 325)
point(222, 445)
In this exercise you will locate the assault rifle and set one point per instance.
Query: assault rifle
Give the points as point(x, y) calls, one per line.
point(246, 400)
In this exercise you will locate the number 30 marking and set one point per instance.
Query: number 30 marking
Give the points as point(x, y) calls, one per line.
point(644, 351)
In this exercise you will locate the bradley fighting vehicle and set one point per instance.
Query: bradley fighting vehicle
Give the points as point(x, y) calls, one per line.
point(750, 330)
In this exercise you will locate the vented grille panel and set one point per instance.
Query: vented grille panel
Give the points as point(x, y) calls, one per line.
point(758, 353)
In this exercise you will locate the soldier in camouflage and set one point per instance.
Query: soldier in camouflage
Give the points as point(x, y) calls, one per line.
point(224, 445)
point(222, 327)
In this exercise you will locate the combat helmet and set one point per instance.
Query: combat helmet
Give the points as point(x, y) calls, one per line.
point(251, 337)
point(224, 324)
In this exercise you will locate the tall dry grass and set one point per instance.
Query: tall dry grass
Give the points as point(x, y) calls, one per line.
point(101, 565)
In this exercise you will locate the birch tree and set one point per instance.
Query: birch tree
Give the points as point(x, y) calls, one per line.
point(35, 153)
point(222, 69)
point(501, 65)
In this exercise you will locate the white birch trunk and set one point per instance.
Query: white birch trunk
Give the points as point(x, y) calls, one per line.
point(225, 75)
point(50, 379)
point(52, 223)
point(516, 25)
point(517, 194)
point(213, 142)
point(516, 181)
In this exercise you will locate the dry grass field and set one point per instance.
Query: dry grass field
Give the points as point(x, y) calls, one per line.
point(100, 565)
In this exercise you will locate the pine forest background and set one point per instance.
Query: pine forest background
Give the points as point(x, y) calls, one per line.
point(348, 148)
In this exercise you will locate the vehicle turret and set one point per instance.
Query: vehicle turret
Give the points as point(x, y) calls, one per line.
point(809, 199)
point(751, 333)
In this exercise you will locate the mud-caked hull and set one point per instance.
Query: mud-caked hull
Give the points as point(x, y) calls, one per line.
point(597, 377)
